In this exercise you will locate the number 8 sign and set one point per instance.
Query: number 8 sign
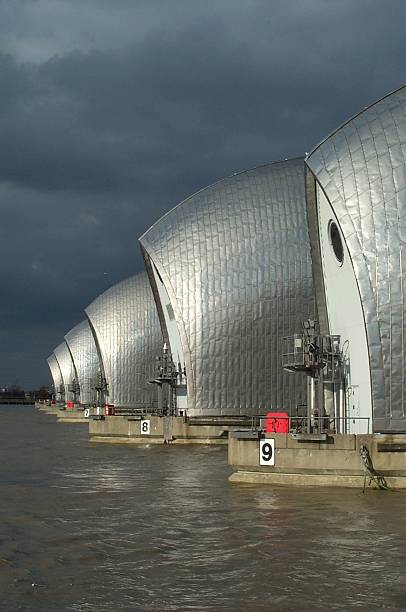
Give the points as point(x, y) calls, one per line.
point(146, 427)
point(267, 451)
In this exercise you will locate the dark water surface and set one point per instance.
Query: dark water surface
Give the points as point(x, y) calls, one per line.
point(106, 527)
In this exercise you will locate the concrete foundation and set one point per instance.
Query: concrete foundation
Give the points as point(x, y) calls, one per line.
point(63, 416)
point(72, 416)
point(334, 462)
point(48, 408)
point(174, 430)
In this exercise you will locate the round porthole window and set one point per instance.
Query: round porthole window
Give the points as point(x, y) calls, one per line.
point(336, 242)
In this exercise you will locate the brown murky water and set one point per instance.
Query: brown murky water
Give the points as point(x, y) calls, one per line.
point(103, 527)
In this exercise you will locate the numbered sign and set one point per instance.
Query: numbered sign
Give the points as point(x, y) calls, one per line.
point(146, 427)
point(267, 452)
point(87, 413)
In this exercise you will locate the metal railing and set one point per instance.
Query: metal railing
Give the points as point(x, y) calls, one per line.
point(319, 424)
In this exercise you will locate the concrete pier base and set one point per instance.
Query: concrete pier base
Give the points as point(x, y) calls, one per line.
point(48, 409)
point(333, 462)
point(161, 430)
point(63, 416)
point(72, 416)
point(312, 480)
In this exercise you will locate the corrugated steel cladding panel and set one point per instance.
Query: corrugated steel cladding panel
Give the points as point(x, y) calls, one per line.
point(362, 169)
point(85, 357)
point(55, 372)
point(235, 260)
point(65, 362)
point(128, 334)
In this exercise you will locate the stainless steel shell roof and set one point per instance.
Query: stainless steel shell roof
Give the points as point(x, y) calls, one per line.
point(235, 262)
point(85, 357)
point(362, 169)
point(67, 367)
point(128, 336)
point(55, 372)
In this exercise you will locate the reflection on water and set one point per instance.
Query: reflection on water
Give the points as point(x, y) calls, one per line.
point(107, 527)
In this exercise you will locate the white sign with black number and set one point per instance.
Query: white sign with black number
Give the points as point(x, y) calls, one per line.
point(267, 451)
point(146, 427)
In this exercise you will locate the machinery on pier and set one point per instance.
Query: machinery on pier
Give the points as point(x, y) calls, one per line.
point(74, 391)
point(170, 379)
point(101, 388)
point(320, 357)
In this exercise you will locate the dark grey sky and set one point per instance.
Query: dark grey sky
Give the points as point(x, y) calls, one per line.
point(111, 112)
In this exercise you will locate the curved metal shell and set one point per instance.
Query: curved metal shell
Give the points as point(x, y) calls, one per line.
point(86, 360)
point(126, 328)
point(64, 358)
point(56, 375)
point(361, 170)
point(234, 264)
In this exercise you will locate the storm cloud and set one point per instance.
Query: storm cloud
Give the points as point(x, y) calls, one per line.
point(113, 112)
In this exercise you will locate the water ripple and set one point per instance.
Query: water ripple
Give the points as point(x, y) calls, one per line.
point(88, 527)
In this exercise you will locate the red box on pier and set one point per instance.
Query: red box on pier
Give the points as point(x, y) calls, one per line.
point(277, 422)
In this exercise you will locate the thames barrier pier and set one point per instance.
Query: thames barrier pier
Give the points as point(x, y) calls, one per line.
point(335, 460)
point(354, 427)
point(152, 429)
point(63, 415)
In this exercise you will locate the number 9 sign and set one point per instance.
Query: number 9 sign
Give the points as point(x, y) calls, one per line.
point(267, 451)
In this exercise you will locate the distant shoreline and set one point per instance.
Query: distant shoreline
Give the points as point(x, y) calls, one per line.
point(14, 401)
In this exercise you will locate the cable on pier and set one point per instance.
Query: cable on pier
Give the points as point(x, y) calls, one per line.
point(370, 471)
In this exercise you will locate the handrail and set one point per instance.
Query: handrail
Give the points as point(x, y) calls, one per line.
point(256, 420)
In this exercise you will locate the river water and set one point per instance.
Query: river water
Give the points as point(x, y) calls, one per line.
point(114, 527)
